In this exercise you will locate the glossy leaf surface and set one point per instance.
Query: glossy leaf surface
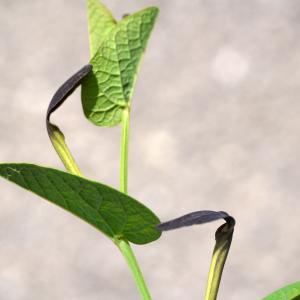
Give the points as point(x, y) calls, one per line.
point(108, 89)
point(290, 292)
point(115, 214)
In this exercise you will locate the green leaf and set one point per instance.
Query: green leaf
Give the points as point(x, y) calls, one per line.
point(100, 21)
point(112, 212)
point(290, 292)
point(108, 89)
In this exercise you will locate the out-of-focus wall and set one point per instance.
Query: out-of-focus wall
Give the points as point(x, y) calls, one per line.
point(215, 125)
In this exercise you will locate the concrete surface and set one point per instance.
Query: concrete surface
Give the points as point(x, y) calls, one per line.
point(215, 125)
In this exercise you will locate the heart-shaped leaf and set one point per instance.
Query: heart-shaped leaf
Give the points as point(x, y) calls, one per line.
point(107, 90)
point(112, 212)
point(290, 292)
point(100, 22)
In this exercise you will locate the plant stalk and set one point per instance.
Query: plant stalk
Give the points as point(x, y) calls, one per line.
point(128, 254)
point(222, 246)
point(124, 150)
point(123, 244)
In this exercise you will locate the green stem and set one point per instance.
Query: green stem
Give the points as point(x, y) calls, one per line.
point(122, 244)
point(58, 141)
point(128, 254)
point(223, 242)
point(124, 150)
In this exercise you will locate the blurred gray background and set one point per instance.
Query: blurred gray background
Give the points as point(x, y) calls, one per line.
point(215, 125)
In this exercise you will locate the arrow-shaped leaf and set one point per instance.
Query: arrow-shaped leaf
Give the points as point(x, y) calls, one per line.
point(108, 89)
point(112, 212)
point(290, 292)
point(100, 22)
